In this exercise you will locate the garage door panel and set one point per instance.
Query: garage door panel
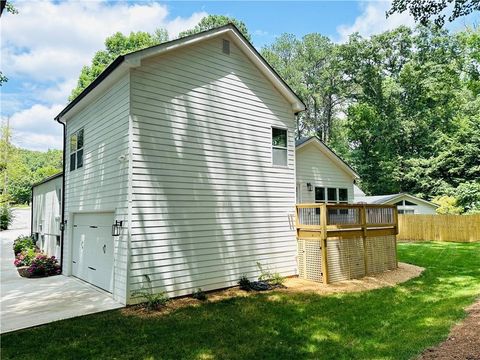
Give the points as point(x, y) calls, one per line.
point(93, 249)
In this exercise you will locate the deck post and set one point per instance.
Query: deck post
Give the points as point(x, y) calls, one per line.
point(323, 224)
point(363, 221)
point(395, 219)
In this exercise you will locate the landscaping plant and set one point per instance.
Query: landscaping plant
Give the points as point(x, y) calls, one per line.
point(151, 300)
point(244, 283)
point(25, 257)
point(199, 294)
point(6, 216)
point(42, 265)
point(23, 243)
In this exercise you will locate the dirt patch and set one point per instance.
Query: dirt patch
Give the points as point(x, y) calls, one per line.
point(390, 278)
point(463, 341)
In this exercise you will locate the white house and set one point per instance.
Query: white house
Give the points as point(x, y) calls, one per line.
point(46, 214)
point(406, 203)
point(322, 176)
point(180, 169)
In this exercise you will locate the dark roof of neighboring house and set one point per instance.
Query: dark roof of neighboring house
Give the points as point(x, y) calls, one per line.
point(109, 69)
point(306, 139)
point(47, 179)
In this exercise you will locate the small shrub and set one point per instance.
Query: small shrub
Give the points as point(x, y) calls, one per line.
point(6, 216)
point(273, 279)
point(199, 294)
point(23, 243)
point(25, 258)
point(245, 284)
point(276, 280)
point(152, 301)
point(42, 265)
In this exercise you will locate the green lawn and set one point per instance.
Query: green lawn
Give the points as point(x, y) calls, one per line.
point(391, 323)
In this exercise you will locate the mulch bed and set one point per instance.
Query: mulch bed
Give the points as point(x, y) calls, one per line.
point(463, 341)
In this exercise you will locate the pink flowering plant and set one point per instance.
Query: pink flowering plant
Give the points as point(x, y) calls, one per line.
point(42, 265)
point(25, 258)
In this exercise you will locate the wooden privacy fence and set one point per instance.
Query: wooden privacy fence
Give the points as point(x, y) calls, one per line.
point(345, 241)
point(462, 228)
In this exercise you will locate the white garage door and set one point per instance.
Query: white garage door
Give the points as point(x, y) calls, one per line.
point(92, 258)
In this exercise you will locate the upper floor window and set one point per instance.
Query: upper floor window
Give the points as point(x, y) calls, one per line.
point(76, 150)
point(279, 147)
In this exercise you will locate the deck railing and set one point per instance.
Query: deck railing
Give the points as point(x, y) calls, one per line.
point(346, 219)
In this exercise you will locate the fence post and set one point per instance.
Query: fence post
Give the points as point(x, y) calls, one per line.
point(323, 223)
point(363, 220)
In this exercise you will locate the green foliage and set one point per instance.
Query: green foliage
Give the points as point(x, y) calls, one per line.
point(447, 205)
point(23, 243)
point(151, 300)
point(116, 45)
point(424, 11)
point(6, 216)
point(213, 21)
point(244, 283)
point(274, 279)
point(21, 168)
point(199, 294)
point(468, 195)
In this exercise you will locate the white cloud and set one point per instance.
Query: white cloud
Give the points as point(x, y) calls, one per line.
point(44, 47)
point(372, 20)
point(34, 128)
point(50, 41)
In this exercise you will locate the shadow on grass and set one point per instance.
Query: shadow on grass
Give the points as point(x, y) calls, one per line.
point(392, 323)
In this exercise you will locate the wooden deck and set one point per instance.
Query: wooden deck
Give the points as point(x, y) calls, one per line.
point(325, 222)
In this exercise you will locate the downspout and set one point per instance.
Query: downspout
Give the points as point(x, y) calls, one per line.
point(62, 223)
point(31, 215)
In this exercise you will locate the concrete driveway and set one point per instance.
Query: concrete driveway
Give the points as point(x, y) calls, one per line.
point(30, 302)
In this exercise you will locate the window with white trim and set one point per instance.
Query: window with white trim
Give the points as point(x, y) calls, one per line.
point(331, 195)
point(76, 150)
point(279, 147)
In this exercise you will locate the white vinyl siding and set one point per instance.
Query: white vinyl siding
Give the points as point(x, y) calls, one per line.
point(419, 207)
point(316, 168)
point(101, 185)
point(46, 215)
point(207, 201)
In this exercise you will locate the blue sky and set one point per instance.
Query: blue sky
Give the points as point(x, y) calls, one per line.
point(44, 47)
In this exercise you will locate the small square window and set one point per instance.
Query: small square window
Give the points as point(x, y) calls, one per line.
point(279, 147)
point(343, 195)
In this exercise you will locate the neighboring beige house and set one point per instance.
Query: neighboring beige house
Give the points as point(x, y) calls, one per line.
point(322, 176)
point(406, 203)
point(47, 214)
point(180, 169)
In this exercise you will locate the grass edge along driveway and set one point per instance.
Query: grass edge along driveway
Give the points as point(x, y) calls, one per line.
point(388, 323)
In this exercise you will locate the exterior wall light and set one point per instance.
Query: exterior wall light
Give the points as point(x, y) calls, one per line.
point(116, 227)
point(309, 187)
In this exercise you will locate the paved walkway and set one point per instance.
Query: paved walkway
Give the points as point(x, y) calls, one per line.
point(30, 302)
